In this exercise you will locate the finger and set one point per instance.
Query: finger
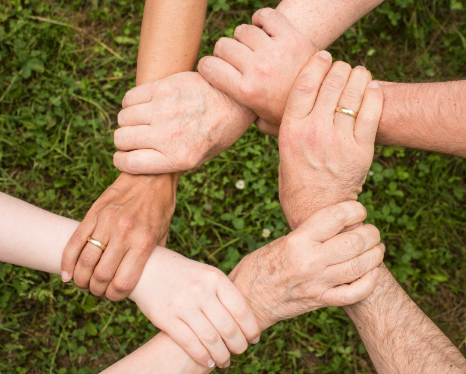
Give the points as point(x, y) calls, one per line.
point(354, 292)
point(348, 245)
point(227, 327)
point(328, 222)
point(182, 335)
point(369, 115)
point(209, 337)
point(307, 85)
point(332, 88)
point(89, 258)
point(128, 274)
point(75, 246)
point(143, 161)
point(351, 98)
point(251, 36)
point(354, 269)
point(233, 52)
point(221, 75)
point(267, 128)
point(236, 305)
point(134, 137)
point(135, 115)
point(273, 22)
point(106, 268)
point(139, 95)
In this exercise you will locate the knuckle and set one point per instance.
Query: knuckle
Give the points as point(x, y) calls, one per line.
point(248, 91)
point(357, 242)
point(146, 241)
point(335, 83)
point(125, 224)
point(338, 213)
point(304, 84)
point(263, 69)
point(88, 259)
point(242, 310)
point(103, 275)
point(212, 337)
point(229, 329)
point(351, 95)
point(373, 232)
point(123, 285)
point(190, 340)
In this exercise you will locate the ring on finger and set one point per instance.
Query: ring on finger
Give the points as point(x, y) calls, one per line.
point(98, 244)
point(348, 112)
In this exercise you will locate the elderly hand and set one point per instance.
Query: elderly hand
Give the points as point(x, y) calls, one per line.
point(131, 217)
point(258, 67)
point(313, 267)
point(176, 124)
point(324, 155)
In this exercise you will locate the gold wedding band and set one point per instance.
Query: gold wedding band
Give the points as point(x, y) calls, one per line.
point(348, 112)
point(103, 247)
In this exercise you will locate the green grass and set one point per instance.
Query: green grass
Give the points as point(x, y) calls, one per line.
point(60, 91)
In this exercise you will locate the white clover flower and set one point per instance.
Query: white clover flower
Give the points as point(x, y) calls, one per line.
point(240, 185)
point(371, 173)
point(266, 233)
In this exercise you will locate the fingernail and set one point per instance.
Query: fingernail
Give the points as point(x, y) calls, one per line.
point(65, 277)
point(207, 63)
point(227, 364)
point(374, 84)
point(375, 273)
point(382, 246)
point(361, 67)
point(255, 340)
point(325, 55)
point(211, 363)
point(84, 290)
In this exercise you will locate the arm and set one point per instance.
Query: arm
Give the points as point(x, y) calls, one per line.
point(134, 214)
point(427, 116)
point(307, 279)
point(399, 337)
point(397, 334)
point(208, 120)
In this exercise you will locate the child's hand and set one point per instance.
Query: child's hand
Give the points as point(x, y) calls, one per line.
point(325, 155)
point(258, 67)
point(197, 306)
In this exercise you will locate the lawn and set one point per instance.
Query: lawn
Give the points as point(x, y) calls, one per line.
point(64, 68)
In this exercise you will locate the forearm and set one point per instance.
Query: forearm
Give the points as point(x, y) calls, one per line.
point(399, 337)
point(427, 116)
point(324, 21)
point(170, 38)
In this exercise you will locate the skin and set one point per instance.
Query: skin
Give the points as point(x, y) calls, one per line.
point(175, 106)
point(134, 214)
point(424, 116)
point(319, 267)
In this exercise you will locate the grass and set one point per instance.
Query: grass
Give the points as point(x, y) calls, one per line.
point(64, 68)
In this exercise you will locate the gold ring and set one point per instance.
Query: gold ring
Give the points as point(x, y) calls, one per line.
point(103, 247)
point(348, 112)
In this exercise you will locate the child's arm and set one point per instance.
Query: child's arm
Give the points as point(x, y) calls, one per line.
point(194, 303)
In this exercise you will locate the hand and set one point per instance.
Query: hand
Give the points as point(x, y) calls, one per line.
point(311, 267)
point(258, 67)
point(197, 305)
point(175, 124)
point(324, 155)
point(131, 217)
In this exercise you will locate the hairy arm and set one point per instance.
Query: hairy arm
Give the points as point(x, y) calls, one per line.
point(427, 116)
point(399, 337)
